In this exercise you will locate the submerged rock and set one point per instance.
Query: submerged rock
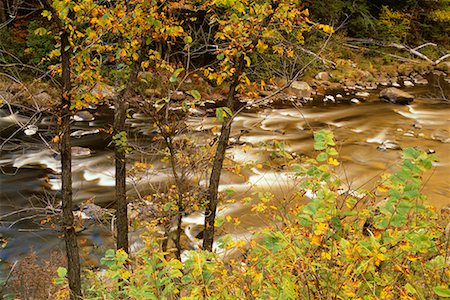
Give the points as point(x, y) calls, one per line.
point(395, 95)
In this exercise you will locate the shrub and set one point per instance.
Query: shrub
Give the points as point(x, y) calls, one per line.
point(342, 244)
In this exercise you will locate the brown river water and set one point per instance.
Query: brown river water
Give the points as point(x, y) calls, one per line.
point(369, 134)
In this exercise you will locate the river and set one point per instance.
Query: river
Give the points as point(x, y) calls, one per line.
point(370, 135)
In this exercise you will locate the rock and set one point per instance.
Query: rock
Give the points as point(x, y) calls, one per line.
point(42, 98)
point(420, 80)
point(389, 145)
point(443, 66)
point(339, 96)
point(354, 100)
point(303, 90)
point(395, 95)
point(362, 94)
point(80, 151)
point(178, 96)
point(103, 91)
point(83, 116)
point(5, 97)
point(31, 130)
point(441, 135)
point(329, 98)
point(395, 84)
point(408, 83)
point(323, 76)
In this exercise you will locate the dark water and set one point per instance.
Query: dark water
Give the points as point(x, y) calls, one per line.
point(370, 137)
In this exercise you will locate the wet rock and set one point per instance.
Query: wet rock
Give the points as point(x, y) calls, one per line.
point(420, 80)
point(329, 98)
point(339, 96)
point(389, 145)
point(408, 83)
point(302, 89)
point(354, 100)
point(80, 151)
point(83, 116)
point(395, 95)
point(80, 133)
point(323, 76)
point(362, 94)
point(441, 135)
point(395, 84)
point(31, 130)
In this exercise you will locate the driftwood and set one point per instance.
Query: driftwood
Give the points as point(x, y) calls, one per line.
point(352, 42)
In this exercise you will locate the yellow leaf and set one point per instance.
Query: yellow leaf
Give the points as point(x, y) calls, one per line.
point(228, 218)
point(333, 161)
point(261, 46)
point(326, 28)
point(135, 56)
point(123, 53)
point(259, 166)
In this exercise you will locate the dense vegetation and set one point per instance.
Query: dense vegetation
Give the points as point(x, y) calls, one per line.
point(342, 245)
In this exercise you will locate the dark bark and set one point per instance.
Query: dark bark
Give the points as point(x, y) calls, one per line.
point(222, 144)
point(73, 259)
point(2, 12)
point(213, 188)
point(180, 190)
point(120, 163)
point(121, 106)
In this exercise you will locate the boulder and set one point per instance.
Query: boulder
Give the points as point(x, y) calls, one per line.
point(83, 116)
point(302, 89)
point(103, 91)
point(323, 76)
point(43, 99)
point(395, 95)
point(443, 66)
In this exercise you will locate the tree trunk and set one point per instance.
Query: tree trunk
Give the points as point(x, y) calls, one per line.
point(73, 259)
point(121, 106)
point(213, 188)
point(120, 163)
point(2, 12)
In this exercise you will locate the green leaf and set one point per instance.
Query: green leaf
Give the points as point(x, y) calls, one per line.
point(196, 94)
point(62, 272)
point(187, 39)
point(220, 56)
point(332, 152)
point(40, 31)
point(175, 74)
point(322, 157)
point(219, 114)
point(228, 111)
point(410, 288)
point(442, 291)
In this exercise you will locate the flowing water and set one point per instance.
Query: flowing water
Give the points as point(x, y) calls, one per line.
point(370, 137)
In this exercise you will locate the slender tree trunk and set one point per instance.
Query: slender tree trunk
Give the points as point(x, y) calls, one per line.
point(2, 12)
point(121, 106)
point(222, 143)
point(73, 259)
point(180, 191)
point(214, 179)
point(120, 163)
